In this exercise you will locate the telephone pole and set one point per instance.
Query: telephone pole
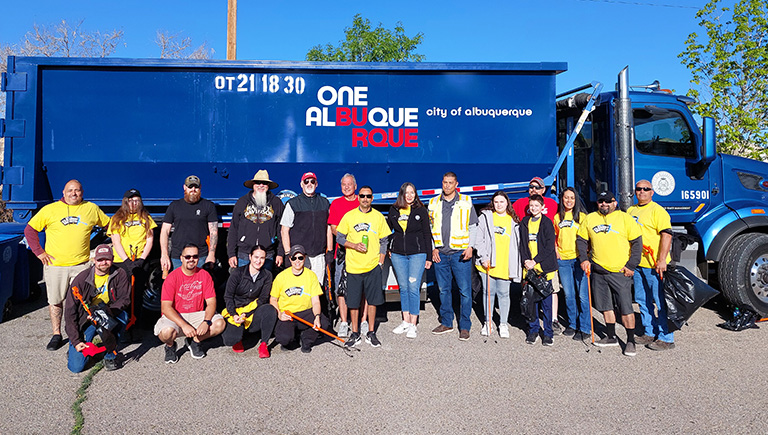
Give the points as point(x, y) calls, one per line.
point(232, 30)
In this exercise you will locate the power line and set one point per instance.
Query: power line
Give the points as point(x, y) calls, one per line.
point(660, 5)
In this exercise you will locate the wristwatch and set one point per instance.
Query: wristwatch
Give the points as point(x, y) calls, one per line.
point(208, 322)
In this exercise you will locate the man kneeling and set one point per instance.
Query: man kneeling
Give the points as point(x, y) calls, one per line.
point(247, 300)
point(103, 287)
point(188, 305)
point(298, 291)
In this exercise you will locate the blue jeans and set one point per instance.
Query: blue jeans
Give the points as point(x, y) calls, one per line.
point(76, 361)
point(409, 269)
point(499, 288)
point(545, 305)
point(648, 292)
point(575, 289)
point(453, 266)
point(176, 262)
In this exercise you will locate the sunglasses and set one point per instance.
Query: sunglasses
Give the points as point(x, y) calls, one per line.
point(103, 259)
point(604, 201)
point(644, 189)
point(190, 257)
point(535, 186)
point(363, 195)
point(310, 181)
point(261, 183)
point(193, 186)
point(297, 257)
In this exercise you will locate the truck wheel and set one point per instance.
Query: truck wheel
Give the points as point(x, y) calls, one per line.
point(743, 272)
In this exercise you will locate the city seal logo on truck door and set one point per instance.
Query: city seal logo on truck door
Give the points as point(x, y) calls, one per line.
point(663, 183)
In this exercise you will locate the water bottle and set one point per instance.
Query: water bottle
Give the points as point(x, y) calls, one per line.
point(365, 241)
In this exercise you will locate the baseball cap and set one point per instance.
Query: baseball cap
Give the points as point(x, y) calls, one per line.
point(606, 195)
point(103, 252)
point(192, 180)
point(537, 180)
point(297, 249)
point(308, 175)
point(130, 193)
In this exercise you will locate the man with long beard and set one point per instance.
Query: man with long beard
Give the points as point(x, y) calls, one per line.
point(193, 220)
point(256, 221)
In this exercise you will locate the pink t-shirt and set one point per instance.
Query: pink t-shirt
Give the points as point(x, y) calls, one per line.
point(521, 208)
point(188, 293)
point(340, 207)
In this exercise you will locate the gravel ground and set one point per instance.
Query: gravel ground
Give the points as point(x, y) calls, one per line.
point(713, 382)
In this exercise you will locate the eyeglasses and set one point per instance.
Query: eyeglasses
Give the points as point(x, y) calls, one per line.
point(310, 181)
point(364, 195)
point(193, 186)
point(644, 189)
point(190, 257)
point(604, 201)
point(297, 257)
point(535, 187)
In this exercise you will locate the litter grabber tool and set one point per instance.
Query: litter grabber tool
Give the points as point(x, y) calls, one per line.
point(103, 322)
point(335, 337)
point(591, 319)
point(132, 319)
point(92, 350)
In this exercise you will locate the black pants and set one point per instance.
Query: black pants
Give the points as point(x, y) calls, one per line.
point(285, 332)
point(264, 319)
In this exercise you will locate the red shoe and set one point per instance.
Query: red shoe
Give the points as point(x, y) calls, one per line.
point(263, 351)
point(238, 347)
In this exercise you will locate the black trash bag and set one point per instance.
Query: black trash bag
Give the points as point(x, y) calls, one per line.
point(540, 283)
point(745, 319)
point(527, 304)
point(684, 293)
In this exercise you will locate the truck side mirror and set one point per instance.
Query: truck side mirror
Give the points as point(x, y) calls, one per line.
point(709, 142)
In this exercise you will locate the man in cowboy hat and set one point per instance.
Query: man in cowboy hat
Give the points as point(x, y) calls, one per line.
point(256, 221)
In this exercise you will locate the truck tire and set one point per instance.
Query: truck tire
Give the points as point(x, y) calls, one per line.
point(743, 272)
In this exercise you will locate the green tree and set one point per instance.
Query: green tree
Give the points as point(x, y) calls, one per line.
point(365, 44)
point(729, 63)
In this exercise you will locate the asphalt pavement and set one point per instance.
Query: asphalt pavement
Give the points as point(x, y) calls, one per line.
point(714, 381)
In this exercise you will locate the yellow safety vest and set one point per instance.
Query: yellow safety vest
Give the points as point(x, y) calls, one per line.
point(459, 237)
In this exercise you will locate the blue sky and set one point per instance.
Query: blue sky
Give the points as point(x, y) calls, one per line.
point(597, 38)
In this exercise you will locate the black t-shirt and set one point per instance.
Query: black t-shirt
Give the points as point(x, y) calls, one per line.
point(190, 224)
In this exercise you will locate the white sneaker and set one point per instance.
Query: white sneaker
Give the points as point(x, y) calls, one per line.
point(503, 331)
point(343, 329)
point(484, 331)
point(364, 328)
point(411, 331)
point(403, 327)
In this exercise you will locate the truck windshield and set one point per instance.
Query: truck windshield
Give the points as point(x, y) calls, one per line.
point(662, 132)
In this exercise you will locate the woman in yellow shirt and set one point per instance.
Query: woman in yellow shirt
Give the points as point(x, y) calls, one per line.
point(570, 213)
point(132, 233)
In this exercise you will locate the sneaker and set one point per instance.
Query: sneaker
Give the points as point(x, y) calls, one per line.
point(607, 342)
point(305, 347)
point(170, 354)
point(629, 349)
point(344, 329)
point(442, 329)
point(353, 340)
point(411, 332)
point(111, 364)
point(569, 332)
point(371, 339)
point(263, 350)
point(547, 341)
point(556, 328)
point(55, 342)
point(660, 345)
point(464, 334)
point(401, 328)
point(238, 347)
point(503, 331)
point(582, 336)
point(195, 349)
point(364, 328)
point(531, 337)
point(484, 330)
point(644, 339)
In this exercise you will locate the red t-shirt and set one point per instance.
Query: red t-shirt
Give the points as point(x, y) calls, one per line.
point(188, 293)
point(340, 207)
point(521, 208)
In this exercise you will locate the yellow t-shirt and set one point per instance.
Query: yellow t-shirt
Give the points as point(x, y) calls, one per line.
point(68, 230)
point(533, 244)
point(133, 236)
point(566, 235)
point(653, 219)
point(354, 225)
point(294, 293)
point(502, 228)
point(403, 218)
point(101, 288)
point(609, 237)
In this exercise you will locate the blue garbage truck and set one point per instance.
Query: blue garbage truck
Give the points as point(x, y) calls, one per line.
point(116, 124)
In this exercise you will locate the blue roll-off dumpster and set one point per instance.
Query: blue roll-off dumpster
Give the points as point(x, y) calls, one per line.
point(9, 252)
